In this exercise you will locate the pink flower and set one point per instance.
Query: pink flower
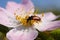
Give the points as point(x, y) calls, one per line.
point(24, 23)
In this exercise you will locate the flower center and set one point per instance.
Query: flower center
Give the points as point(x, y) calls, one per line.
point(28, 20)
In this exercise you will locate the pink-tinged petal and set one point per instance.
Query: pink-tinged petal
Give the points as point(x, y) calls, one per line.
point(7, 12)
point(6, 19)
point(12, 6)
point(40, 26)
point(25, 1)
point(49, 16)
point(28, 5)
point(20, 8)
point(53, 25)
point(27, 34)
point(46, 26)
point(15, 9)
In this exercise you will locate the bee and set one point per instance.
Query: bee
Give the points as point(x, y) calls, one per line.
point(36, 18)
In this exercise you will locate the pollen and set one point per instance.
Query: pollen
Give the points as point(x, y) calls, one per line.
point(26, 21)
point(22, 20)
point(18, 17)
point(32, 21)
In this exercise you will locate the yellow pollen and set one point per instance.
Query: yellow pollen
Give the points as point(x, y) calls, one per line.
point(18, 17)
point(32, 21)
point(22, 20)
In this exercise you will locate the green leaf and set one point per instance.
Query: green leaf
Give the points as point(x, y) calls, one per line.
point(43, 36)
point(4, 29)
point(55, 34)
point(2, 36)
point(50, 38)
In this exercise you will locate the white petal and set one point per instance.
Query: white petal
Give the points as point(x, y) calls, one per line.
point(49, 16)
point(27, 34)
point(28, 5)
point(7, 12)
point(12, 6)
point(53, 25)
point(46, 26)
point(20, 9)
point(46, 20)
point(7, 19)
point(40, 26)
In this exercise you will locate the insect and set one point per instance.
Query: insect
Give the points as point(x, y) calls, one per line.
point(36, 18)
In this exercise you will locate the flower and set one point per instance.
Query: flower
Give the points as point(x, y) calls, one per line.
point(24, 22)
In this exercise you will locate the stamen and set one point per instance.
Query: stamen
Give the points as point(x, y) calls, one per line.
point(30, 10)
point(14, 14)
point(36, 11)
point(27, 17)
point(21, 9)
point(17, 17)
point(22, 20)
point(42, 14)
